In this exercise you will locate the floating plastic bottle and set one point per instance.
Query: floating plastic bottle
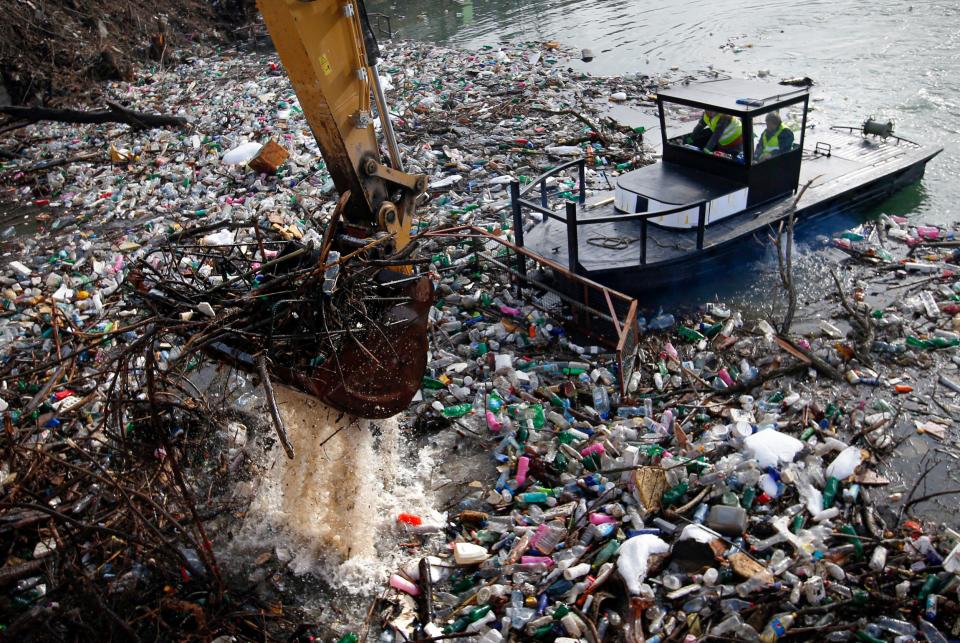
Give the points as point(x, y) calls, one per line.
point(457, 410)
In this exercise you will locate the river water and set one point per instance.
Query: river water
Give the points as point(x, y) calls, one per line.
point(893, 60)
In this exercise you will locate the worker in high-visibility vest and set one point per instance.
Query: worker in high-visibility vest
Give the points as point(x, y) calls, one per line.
point(717, 132)
point(775, 139)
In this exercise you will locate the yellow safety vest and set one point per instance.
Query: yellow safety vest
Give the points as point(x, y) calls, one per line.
point(732, 133)
point(771, 145)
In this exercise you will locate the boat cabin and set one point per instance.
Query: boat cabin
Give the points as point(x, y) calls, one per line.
point(753, 158)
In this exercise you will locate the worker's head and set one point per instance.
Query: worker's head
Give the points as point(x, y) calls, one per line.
point(773, 122)
point(709, 113)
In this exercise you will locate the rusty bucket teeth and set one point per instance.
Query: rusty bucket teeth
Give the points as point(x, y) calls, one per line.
point(377, 373)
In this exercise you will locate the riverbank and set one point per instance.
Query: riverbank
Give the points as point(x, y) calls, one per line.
point(56, 52)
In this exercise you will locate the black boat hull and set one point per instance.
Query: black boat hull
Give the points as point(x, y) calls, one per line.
point(695, 266)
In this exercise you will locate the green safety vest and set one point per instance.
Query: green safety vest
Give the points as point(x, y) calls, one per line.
point(732, 133)
point(771, 145)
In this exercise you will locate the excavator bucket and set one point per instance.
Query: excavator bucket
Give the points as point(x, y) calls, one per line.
point(377, 372)
point(330, 322)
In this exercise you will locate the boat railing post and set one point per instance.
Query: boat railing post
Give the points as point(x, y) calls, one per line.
point(517, 212)
point(543, 193)
point(643, 241)
point(518, 225)
point(701, 224)
point(573, 248)
point(582, 166)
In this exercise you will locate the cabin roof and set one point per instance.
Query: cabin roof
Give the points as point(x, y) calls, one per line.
point(724, 94)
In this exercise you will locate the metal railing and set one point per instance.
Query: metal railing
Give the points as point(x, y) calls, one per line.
point(572, 222)
point(619, 330)
point(379, 19)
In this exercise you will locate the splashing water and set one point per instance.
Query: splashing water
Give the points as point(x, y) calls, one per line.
point(333, 507)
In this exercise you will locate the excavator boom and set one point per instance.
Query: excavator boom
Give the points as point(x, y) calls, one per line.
point(330, 55)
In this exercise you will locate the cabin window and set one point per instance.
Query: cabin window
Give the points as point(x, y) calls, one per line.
point(775, 133)
point(695, 129)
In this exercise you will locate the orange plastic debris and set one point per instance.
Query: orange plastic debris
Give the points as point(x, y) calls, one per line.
point(410, 519)
point(913, 526)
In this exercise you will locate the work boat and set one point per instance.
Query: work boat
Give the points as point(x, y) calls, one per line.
point(679, 217)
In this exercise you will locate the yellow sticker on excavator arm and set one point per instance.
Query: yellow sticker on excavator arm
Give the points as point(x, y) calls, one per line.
point(324, 63)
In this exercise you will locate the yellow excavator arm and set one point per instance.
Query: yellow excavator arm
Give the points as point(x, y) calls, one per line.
point(330, 54)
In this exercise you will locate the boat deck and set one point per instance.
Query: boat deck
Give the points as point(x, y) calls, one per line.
point(855, 164)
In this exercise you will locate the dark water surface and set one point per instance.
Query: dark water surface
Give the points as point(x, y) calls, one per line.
point(892, 60)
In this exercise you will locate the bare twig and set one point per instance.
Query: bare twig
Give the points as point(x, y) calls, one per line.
point(909, 496)
point(785, 260)
point(272, 405)
point(861, 320)
point(580, 117)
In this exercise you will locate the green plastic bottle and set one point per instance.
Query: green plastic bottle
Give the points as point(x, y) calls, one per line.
point(457, 410)
point(857, 544)
point(535, 413)
point(605, 553)
point(673, 495)
point(478, 613)
point(830, 492)
point(523, 433)
point(591, 462)
point(689, 334)
point(560, 462)
point(654, 451)
point(798, 521)
point(932, 342)
point(432, 383)
point(698, 465)
point(532, 497)
point(866, 637)
point(461, 585)
point(927, 588)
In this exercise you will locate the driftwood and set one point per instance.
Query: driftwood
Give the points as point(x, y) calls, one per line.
point(808, 357)
point(580, 117)
point(114, 113)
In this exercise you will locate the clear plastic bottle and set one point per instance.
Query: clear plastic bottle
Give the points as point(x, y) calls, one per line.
point(895, 625)
point(777, 627)
point(930, 632)
point(729, 625)
point(879, 558)
point(519, 615)
point(814, 590)
point(673, 581)
point(751, 585)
